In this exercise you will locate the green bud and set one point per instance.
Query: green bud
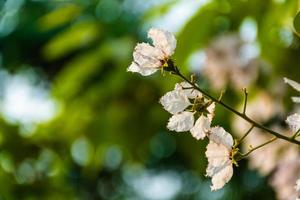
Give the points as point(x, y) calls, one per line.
point(201, 104)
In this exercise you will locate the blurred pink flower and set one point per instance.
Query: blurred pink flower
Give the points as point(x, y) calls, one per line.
point(225, 63)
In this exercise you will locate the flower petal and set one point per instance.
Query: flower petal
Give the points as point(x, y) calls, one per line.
point(211, 109)
point(146, 59)
point(174, 102)
point(133, 68)
point(201, 127)
point(146, 56)
point(222, 177)
point(181, 122)
point(145, 71)
point(220, 136)
point(190, 93)
point(163, 40)
point(149, 51)
point(292, 83)
point(219, 165)
point(294, 122)
point(296, 99)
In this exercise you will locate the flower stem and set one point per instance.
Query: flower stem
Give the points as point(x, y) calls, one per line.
point(296, 134)
point(245, 102)
point(259, 146)
point(244, 136)
point(242, 115)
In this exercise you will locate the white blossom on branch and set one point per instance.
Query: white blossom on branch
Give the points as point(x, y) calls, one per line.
point(147, 58)
point(178, 100)
point(219, 157)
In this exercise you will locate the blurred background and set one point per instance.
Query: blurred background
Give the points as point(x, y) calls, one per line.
point(75, 125)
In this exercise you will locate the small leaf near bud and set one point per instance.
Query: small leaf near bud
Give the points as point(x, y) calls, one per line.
point(193, 78)
point(201, 105)
point(169, 66)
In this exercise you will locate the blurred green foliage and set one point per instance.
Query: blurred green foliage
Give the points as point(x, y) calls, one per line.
point(109, 128)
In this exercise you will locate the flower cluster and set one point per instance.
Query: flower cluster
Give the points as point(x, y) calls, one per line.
point(186, 104)
point(220, 147)
point(193, 110)
point(178, 103)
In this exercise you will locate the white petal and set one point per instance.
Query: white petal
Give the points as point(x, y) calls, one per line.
point(174, 102)
point(181, 122)
point(190, 93)
point(296, 99)
point(133, 68)
point(220, 136)
point(217, 155)
point(143, 56)
point(222, 177)
point(292, 83)
point(146, 59)
point(294, 122)
point(149, 51)
point(201, 127)
point(163, 40)
point(211, 109)
point(219, 165)
point(145, 71)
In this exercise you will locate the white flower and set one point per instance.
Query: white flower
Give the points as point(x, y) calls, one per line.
point(176, 102)
point(294, 122)
point(181, 122)
point(218, 153)
point(296, 86)
point(147, 58)
point(184, 121)
point(202, 126)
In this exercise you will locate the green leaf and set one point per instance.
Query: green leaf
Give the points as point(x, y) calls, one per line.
point(59, 17)
point(76, 37)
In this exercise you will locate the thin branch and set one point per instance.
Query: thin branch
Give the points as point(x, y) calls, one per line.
point(259, 146)
point(188, 88)
point(254, 123)
point(247, 133)
point(296, 134)
point(245, 102)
